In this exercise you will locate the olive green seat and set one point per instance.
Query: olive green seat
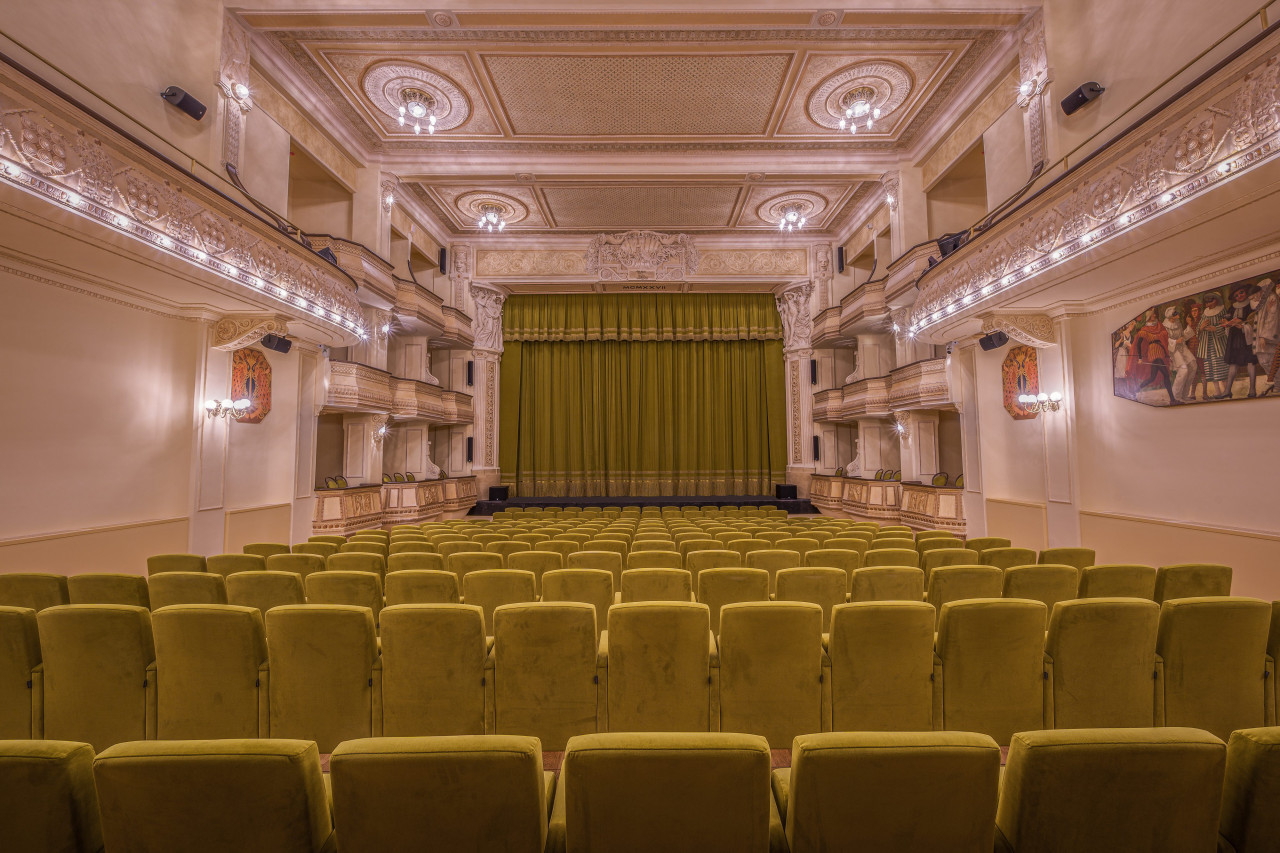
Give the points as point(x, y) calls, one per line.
point(610, 561)
point(1118, 581)
point(414, 561)
point(1046, 584)
point(1149, 790)
point(422, 586)
point(820, 585)
point(959, 583)
point(1007, 558)
point(1099, 657)
point(266, 549)
point(984, 543)
point(491, 588)
point(433, 670)
point(265, 590)
point(99, 673)
point(319, 549)
point(562, 547)
point(33, 590)
point(545, 671)
point(441, 793)
point(356, 561)
point(127, 590)
point(712, 558)
point(656, 585)
point(214, 796)
point(213, 662)
point(849, 542)
point(771, 668)
point(1078, 557)
point(1192, 580)
point(299, 564)
point(748, 546)
point(891, 557)
point(21, 676)
point(645, 559)
point(882, 666)
point(410, 546)
point(938, 544)
point(322, 672)
point(851, 790)
point(355, 589)
point(50, 802)
point(1250, 821)
point(719, 587)
point(175, 563)
point(887, 583)
point(229, 564)
point(465, 562)
point(660, 657)
point(774, 560)
point(170, 588)
point(331, 539)
point(537, 562)
point(588, 586)
point(941, 557)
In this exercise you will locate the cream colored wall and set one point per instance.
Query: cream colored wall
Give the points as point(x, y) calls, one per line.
point(257, 524)
point(265, 161)
point(318, 204)
point(329, 441)
point(959, 198)
point(1005, 144)
point(1013, 462)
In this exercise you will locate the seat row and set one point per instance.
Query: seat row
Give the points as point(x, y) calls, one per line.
point(111, 673)
point(1174, 790)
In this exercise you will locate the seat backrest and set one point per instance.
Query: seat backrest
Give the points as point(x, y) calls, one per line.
point(229, 564)
point(1007, 558)
point(357, 561)
point(882, 666)
point(492, 588)
point(330, 538)
point(462, 793)
point(712, 558)
point(50, 801)
point(1118, 580)
point(410, 546)
point(771, 669)
point(300, 564)
point(213, 660)
point(357, 589)
point(718, 587)
point(322, 658)
point(1192, 580)
point(261, 794)
point(186, 588)
point(33, 590)
point(825, 587)
point(266, 549)
point(545, 649)
point(887, 583)
point(20, 689)
point(1047, 584)
point(1214, 657)
point(891, 557)
point(422, 586)
point(990, 667)
point(175, 563)
point(127, 590)
point(747, 546)
point(1100, 655)
point(413, 561)
point(610, 561)
point(957, 583)
point(1078, 557)
point(867, 791)
point(1112, 789)
point(656, 559)
point(659, 667)
point(320, 549)
point(265, 590)
point(940, 557)
point(589, 586)
point(433, 659)
point(706, 791)
point(847, 560)
point(538, 562)
point(983, 543)
point(773, 560)
point(657, 585)
point(938, 543)
point(851, 540)
point(98, 682)
point(1250, 820)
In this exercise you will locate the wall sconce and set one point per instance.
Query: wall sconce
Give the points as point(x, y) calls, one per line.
point(226, 408)
point(1029, 90)
point(889, 200)
point(379, 434)
point(239, 93)
point(1037, 403)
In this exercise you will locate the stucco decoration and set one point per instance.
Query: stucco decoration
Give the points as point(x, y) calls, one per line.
point(232, 333)
point(889, 80)
point(486, 326)
point(797, 323)
point(383, 83)
point(1034, 330)
point(642, 256)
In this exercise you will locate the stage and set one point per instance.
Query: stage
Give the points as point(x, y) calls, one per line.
point(791, 507)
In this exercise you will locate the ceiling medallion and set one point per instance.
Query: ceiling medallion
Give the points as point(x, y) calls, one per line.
point(415, 97)
point(792, 211)
point(490, 211)
point(862, 92)
point(792, 217)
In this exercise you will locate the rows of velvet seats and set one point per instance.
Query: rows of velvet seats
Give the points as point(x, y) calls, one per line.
point(104, 674)
point(1174, 790)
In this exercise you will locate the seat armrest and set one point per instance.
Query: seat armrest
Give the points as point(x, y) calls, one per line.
point(602, 686)
point(490, 711)
point(826, 690)
point(151, 686)
point(1046, 702)
point(939, 706)
point(1157, 679)
point(375, 705)
point(264, 699)
point(37, 702)
point(559, 820)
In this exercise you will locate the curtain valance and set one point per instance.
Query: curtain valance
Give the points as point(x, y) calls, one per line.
point(641, 317)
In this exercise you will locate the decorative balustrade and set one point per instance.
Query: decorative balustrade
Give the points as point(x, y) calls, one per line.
point(864, 398)
point(922, 385)
point(414, 400)
point(914, 504)
point(933, 507)
point(344, 511)
point(355, 387)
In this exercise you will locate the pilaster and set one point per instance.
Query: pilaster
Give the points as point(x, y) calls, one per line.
point(794, 306)
point(486, 328)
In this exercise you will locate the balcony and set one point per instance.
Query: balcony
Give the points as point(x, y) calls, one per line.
point(864, 309)
point(866, 398)
point(916, 505)
point(343, 511)
point(444, 322)
point(922, 385)
point(357, 387)
point(413, 400)
point(933, 507)
point(371, 271)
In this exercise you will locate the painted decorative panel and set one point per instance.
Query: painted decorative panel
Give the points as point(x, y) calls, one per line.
point(251, 380)
point(1021, 375)
point(1218, 344)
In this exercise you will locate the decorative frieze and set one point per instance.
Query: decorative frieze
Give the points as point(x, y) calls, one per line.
point(233, 333)
point(641, 256)
point(1035, 330)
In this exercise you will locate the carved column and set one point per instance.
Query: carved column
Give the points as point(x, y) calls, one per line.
point(793, 302)
point(823, 268)
point(460, 268)
point(486, 326)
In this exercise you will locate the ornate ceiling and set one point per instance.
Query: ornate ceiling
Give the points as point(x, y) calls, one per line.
point(663, 102)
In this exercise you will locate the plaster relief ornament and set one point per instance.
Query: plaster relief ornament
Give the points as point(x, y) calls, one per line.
point(793, 307)
point(486, 327)
point(642, 256)
point(430, 470)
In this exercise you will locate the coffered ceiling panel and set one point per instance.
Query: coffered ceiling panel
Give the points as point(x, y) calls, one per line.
point(685, 207)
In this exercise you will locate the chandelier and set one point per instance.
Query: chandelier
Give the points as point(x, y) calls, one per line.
point(491, 218)
point(791, 218)
point(416, 104)
point(858, 107)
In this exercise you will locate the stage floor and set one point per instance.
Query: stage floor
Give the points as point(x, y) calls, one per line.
point(792, 507)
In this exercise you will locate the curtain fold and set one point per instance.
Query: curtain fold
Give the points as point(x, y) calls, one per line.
point(639, 417)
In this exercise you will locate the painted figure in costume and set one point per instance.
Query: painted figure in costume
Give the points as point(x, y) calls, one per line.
point(1123, 346)
point(1212, 347)
point(1182, 363)
point(1191, 311)
point(1239, 322)
point(1266, 330)
point(1149, 358)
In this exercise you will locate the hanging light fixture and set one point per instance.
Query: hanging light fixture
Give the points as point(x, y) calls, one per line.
point(859, 106)
point(416, 105)
point(791, 218)
point(491, 218)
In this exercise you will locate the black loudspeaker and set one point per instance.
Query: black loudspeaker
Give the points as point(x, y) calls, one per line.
point(839, 258)
point(444, 259)
point(995, 340)
point(470, 447)
point(817, 448)
point(1081, 96)
point(471, 366)
point(813, 371)
point(784, 492)
point(499, 493)
point(948, 243)
point(277, 343)
point(183, 100)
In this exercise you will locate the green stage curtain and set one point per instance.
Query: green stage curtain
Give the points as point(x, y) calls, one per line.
point(641, 317)
point(615, 418)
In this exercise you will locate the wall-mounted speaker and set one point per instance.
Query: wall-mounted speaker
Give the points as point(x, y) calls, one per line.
point(813, 371)
point(839, 258)
point(470, 446)
point(817, 448)
point(444, 260)
point(471, 368)
point(185, 101)
point(948, 243)
point(277, 343)
point(995, 340)
point(1081, 96)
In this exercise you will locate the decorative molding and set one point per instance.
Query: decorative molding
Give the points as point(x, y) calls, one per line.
point(760, 262)
point(642, 256)
point(823, 273)
point(236, 332)
point(795, 411)
point(430, 470)
point(376, 425)
point(521, 263)
point(383, 82)
point(381, 322)
point(797, 322)
point(459, 272)
point(470, 205)
point(1033, 65)
point(486, 326)
point(890, 81)
point(902, 425)
point(899, 319)
point(811, 205)
point(1034, 330)
point(233, 70)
